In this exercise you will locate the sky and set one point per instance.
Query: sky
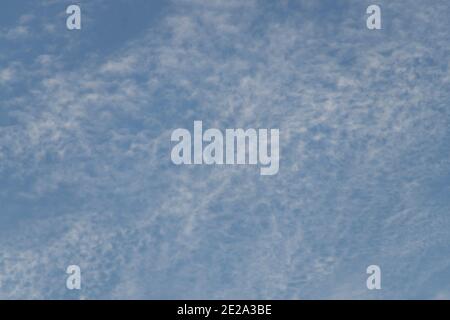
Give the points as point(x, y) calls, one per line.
point(86, 176)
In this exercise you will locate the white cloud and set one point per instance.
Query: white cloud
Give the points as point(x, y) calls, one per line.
point(16, 33)
point(6, 75)
point(353, 194)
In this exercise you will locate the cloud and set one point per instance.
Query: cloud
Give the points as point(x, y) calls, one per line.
point(363, 134)
point(6, 75)
point(17, 32)
point(26, 19)
point(122, 66)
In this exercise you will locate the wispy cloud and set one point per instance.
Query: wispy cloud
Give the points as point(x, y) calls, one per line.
point(363, 123)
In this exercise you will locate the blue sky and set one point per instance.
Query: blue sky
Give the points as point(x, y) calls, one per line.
point(85, 171)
